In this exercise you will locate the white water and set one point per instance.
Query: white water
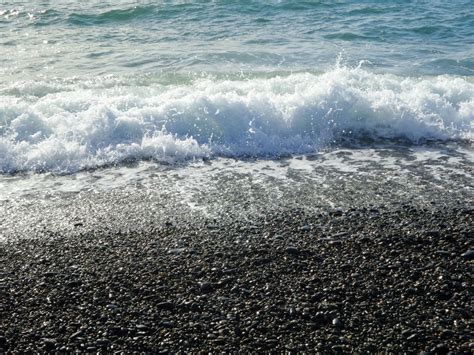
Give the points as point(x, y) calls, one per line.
point(65, 127)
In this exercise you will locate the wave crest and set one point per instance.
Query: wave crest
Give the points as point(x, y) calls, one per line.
point(84, 126)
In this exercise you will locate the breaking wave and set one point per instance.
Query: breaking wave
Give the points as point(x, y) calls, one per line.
point(64, 127)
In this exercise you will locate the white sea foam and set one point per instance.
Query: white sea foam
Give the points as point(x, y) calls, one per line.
point(68, 127)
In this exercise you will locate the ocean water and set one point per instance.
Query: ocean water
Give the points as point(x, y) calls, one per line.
point(87, 88)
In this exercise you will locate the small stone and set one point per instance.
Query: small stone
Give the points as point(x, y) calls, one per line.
point(102, 342)
point(229, 271)
point(49, 343)
point(444, 295)
point(74, 283)
point(77, 334)
point(305, 228)
point(292, 250)
point(50, 274)
point(340, 235)
point(176, 251)
point(468, 255)
point(206, 287)
point(165, 305)
point(441, 348)
point(168, 325)
point(220, 341)
point(447, 333)
point(337, 322)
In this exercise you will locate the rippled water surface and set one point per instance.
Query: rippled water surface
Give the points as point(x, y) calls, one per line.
point(65, 38)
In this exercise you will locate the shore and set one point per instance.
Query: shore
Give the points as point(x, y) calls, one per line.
point(380, 278)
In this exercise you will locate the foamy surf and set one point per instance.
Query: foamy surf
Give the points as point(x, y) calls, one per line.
point(64, 127)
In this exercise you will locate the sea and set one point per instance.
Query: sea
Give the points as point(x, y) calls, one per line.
point(215, 106)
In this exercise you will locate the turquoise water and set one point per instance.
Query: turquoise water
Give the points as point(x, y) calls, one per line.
point(87, 84)
point(68, 38)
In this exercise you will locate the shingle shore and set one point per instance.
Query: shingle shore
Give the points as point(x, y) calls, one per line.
point(361, 279)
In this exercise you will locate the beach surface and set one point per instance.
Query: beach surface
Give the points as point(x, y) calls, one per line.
point(258, 263)
point(236, 176)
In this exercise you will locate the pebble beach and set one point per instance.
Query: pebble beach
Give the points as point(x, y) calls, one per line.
point(374, 279)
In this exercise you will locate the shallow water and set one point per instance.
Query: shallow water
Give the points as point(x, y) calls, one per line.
point(238, 189)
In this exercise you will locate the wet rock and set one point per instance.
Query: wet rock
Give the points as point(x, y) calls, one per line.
point(292, 250)
point(447, 333)
point(441, 349)
point(77, 334)
point(206, 287)
point(49, 343)
point(74, 283)
point(168, 306)
point(176, 251)
point(50, 274)
point(167, 324)
point(340, 235)
point(102, 342)
point(468, 255)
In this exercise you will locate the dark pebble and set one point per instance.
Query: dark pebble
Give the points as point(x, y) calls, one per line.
point(206, 287)
point(77, 334)
point(292, 250)
point(468, 255)
point(165, 305)
point(440, 349)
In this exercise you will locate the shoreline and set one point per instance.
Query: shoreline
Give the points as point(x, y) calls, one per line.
point(380, 278)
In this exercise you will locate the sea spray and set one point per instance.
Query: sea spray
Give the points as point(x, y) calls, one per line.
point(79, 125)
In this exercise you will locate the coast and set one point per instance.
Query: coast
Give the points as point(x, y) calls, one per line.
point(236, 176)
point(376, 278)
